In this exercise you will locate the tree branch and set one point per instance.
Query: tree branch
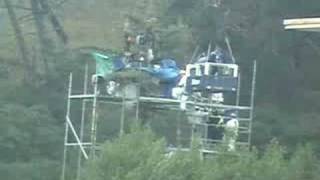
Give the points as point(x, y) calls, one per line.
point(20, 39)
point(18, 7)
point(54, 21)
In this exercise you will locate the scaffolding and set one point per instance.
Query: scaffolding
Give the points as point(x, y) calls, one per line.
point(88, 150)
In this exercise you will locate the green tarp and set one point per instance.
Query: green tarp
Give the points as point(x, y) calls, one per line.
point(104, 64)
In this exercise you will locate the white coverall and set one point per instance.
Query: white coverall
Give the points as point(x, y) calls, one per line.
point(231, 133)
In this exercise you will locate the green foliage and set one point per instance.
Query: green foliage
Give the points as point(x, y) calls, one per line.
point(28, 143)
point(38, 169)
point(127, 157)
point(138, 156)
point(303, 164)
point(25, 131)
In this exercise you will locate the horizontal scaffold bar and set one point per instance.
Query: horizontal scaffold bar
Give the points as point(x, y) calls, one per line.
point(170, 149)
point(219, 125)
point(77, 144)
point(202, 150)
point(222, 141)
point(159, 101)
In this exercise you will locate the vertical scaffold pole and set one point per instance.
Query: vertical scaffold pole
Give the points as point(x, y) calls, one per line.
point(83, 111)
point(138, 105)
point(138, 95)
point(209, 50)
point(65, 149)
point(123, 108)
point(193, 135)
point(205, 125)
point(94, 122)
point(253, 88)
point(178, 130)
point(238, 90)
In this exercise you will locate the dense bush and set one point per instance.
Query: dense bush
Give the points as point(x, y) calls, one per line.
point(139, 155)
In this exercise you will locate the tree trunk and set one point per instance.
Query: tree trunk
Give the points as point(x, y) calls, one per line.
point(44, 41)
point(20, 39)
point(54, 21)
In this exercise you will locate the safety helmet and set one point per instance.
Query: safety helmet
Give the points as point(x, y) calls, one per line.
point(233, 114)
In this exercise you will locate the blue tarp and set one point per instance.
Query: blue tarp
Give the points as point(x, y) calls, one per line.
point(118, 63)
point(168, 71)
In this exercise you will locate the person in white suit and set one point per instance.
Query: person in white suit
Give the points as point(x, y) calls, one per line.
point(179, 91)
point(231, 131)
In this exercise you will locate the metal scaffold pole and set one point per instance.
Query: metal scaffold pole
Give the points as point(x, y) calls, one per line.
point(204, 134)
point(138, 105)
point(238, 90)
point(178, 130)
point(209, 50)
point(138, 96)
point(253, 88)
point(94, 122)
point(83, 111)
point(65, 150)
point(193, 135)
point(123, 109)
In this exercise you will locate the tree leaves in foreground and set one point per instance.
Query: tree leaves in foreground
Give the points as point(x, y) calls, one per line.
point(141, 156)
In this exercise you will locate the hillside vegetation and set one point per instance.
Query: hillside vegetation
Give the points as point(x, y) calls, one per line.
point(33, 82)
